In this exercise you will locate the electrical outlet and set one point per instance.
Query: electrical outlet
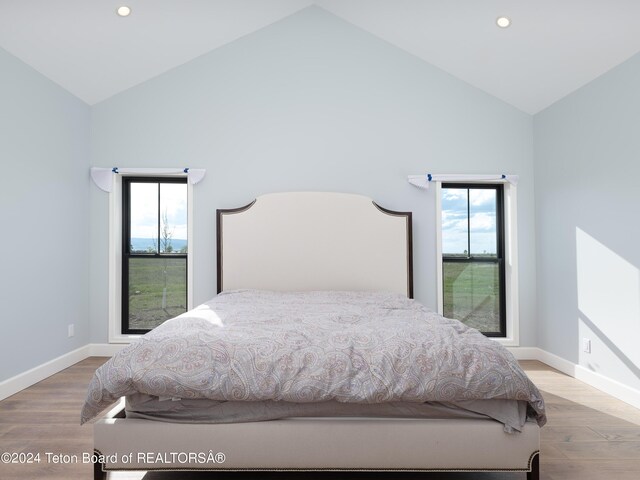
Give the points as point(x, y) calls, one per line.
point(586, 345)
point(70, 331)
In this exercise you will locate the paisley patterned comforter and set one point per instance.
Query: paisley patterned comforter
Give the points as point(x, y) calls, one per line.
point(356, 347)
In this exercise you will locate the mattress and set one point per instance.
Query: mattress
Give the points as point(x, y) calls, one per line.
point(511, 413)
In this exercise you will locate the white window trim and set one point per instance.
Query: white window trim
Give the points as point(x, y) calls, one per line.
point(115, 257)
point(512, 338)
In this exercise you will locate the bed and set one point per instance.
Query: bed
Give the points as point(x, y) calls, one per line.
point(287, 251)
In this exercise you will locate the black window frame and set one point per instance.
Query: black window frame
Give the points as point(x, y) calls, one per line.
point(126, 248)
point(499, 259)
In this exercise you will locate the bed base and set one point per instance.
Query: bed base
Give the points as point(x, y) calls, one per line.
point(533, 473)
point(315, 444)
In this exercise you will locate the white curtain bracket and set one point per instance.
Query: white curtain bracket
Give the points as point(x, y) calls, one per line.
point(103, 177)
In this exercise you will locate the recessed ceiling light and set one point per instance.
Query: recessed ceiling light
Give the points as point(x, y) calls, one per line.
point(123, 11)
point(503, 22)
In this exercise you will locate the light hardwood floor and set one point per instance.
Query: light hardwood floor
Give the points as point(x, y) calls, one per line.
point(590, 435)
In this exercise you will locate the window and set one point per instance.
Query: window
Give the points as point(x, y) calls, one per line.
point(473, 256)
point(154, 251)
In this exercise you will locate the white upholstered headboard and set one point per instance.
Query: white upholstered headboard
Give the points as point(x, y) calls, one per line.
point(314, 241)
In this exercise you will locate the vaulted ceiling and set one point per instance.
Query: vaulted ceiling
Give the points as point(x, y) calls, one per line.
point(551, 48)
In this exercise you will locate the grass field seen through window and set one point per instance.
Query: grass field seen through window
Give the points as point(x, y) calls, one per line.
point(472, 294)
point(150, 281)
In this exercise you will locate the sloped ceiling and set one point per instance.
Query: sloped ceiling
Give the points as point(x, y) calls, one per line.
point(552, 47)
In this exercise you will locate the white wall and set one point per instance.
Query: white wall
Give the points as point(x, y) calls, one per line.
point(311, 103)
point(587, 151)
point(44, 212)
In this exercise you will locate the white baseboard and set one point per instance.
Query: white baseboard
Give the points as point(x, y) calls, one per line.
point(608, 385)
point(559, 363)
point(612, 387)
point(105, 349)
point(524, 353)
point(21, 381)
point(597, 380)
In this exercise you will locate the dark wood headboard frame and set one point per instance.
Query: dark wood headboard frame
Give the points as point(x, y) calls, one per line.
point(231, 211)
point(408, 216)
point(219, 213)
